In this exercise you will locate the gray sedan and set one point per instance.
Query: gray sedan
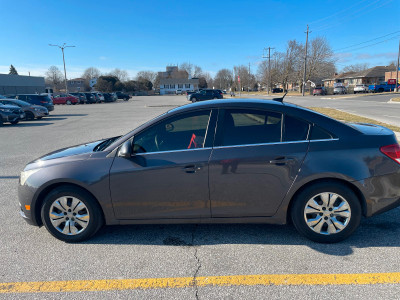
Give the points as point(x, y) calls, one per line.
point(219, 161)
point(31, 111)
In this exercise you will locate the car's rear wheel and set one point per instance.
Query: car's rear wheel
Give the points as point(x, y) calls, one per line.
point(29, 116)
point(71, 214)
point(14, 122)
point(194, 99)
point(326, 212)
point(69, 102)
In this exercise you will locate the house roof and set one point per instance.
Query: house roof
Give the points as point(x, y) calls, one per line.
point(178, 81)
point(77, 79)
point(378, 71)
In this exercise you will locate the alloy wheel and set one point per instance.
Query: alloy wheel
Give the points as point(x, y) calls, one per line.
point(327, 213)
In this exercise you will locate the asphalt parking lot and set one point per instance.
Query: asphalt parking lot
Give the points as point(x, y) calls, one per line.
point(179, 261)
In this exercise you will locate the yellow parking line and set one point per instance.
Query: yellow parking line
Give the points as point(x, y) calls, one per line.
point(181, 282)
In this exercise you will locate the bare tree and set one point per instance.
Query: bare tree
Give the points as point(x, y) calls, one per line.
point(320, 60)
point(122, 75)
point(91, 73)
point(54, 78)
point(247, 80)
point(356, 68)
point(223, 79)
point(148, 75)
point(186, 66)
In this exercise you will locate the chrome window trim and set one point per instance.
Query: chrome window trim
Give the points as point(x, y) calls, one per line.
point(172, 151)
point(262, 144)
point(325, 140)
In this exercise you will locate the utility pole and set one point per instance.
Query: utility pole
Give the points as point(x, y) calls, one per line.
point(397, 71)
point(305, 63)
point(269, 67)
point(65, 71)
point(248, 80)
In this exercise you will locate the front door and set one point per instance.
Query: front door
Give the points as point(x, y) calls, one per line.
point(168, 175)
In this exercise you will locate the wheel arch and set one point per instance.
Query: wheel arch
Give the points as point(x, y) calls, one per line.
point(348, 184)
point(42, 195)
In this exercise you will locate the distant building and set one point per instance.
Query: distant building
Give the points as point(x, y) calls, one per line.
point(92, 82)
point(76, 85)
point(18, 84)
point(391, 75)
point(170, 85)
point(174, 79)
point(373, 75)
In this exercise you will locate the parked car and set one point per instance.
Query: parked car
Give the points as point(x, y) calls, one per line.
point(65, 99)
point(319, 91)
point(361, 88)
point(10, 113)
point(240, 160)
point(31, 111)
point(339, 90)
point(178, 92)
point(100, 96)
point(277, 90)
point(42, 100)
point(81, 97)
point(122, 95)
point(108, 97)
point(96, 97)
point(115, 97)
point(205, 94)
point(90, 98)
point(380, 88)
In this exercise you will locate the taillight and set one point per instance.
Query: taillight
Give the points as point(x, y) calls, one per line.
point(43, 101)
point(393, 151)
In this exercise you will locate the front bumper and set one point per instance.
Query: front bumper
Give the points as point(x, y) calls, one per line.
point(14, 117)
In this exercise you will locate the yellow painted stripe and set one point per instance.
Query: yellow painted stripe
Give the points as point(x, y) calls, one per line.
point(182, 282)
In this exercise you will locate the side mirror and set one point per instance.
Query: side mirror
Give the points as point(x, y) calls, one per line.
point(126, 150)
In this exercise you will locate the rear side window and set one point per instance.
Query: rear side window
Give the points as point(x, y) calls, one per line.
point(247, 127)
point(318, 133)
point(295, 129)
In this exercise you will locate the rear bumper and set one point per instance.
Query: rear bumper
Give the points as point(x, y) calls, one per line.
point(381, 193)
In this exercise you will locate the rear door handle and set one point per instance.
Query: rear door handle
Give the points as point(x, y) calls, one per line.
point(281, 160)
point(192, 169)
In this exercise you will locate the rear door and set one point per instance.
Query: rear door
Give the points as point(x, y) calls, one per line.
point(255, 160)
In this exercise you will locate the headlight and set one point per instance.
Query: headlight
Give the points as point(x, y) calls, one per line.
point(37, 109)
point(26, 174)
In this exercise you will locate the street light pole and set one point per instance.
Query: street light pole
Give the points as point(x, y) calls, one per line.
point(397, 71)
point(65, 70)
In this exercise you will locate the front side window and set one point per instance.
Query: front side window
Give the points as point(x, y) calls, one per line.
point(187, 131)
point(248, 126)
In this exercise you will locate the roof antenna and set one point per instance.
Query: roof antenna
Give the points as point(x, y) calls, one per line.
point(280, 99)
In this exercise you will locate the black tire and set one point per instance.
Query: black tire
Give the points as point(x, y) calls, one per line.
point(39, 118)
point(29, 116)
point(68, 102)
point(14, 122)
point(93, 208)
point(1, 121)
point(299, 217)
point(194, 99)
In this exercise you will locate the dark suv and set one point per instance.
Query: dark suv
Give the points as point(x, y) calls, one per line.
point(122, 95)
point(43, 100)
point(206, 94)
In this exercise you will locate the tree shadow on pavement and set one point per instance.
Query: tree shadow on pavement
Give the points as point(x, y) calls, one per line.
point(379, 231)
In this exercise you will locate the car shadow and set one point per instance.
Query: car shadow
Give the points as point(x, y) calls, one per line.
point(379, 231)
point(67, 115)
point(53, 118)
point(26, 124)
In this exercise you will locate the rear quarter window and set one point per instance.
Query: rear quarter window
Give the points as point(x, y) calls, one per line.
point(318, 133)
point(295, 129)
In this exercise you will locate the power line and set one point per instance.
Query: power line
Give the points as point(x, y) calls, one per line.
point(353, 15)
point(392, 38)
point(366, 41)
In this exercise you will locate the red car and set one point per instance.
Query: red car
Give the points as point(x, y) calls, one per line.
point(65, 99)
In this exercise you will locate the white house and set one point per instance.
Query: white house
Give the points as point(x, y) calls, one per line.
point(170, 85)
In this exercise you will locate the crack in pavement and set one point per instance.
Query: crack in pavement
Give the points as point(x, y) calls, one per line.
point(198, 264)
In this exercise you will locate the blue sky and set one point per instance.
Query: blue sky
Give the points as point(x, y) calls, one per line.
point(148, 35)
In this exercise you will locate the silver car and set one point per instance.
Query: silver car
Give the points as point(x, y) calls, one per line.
point(340, 90)
point(361, 88)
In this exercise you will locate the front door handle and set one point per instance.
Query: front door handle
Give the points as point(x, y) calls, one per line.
point(281, 160)
point(192, 169)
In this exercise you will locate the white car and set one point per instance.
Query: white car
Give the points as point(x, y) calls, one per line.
point(340, 90)
point(361, 88)
point(178, 92)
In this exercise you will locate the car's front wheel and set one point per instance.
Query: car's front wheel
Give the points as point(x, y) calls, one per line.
point(194, 99)
point(326, 212)
point(71, 214)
